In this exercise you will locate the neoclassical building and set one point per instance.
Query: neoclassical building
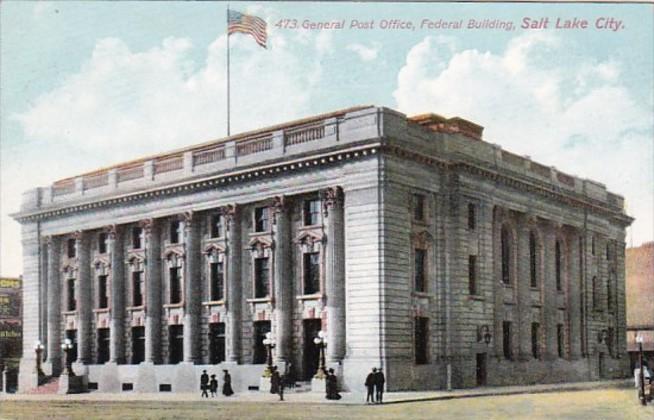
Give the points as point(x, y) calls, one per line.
point(409, 241)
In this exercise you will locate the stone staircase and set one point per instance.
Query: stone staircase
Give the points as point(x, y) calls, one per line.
point(50, 386)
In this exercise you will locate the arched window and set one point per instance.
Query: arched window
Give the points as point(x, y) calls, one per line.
point(557, 262)
point(506, 255)
point(533, 272)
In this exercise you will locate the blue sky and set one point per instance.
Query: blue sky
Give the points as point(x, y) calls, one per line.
point(88, 84)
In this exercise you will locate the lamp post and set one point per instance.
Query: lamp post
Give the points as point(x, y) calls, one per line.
point(67, 347)
point(484, 334)
point(639, 340)
point(38, 349)
point(269, 342)
point(321, 342)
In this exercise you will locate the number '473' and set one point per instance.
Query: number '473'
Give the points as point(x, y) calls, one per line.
point(286, 24)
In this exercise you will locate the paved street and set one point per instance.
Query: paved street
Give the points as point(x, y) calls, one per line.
point(605, 403)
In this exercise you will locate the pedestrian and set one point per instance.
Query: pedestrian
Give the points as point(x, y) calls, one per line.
point(379, 386)
point(289, 376)
point(274, 381)
point(370, 385)
point(204, 383)
point(331, 386)
point(227, 384)
point(213, 386)
point(282, 384)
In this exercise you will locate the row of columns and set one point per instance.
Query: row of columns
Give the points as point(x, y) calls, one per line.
point(282, 300)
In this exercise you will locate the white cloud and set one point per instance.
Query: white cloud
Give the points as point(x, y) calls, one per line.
point(365, 53)
point(536, 98)
point(41, 8)
point(123, 104)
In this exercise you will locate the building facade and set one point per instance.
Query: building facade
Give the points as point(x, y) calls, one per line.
point(640, 302)
point(414, 244)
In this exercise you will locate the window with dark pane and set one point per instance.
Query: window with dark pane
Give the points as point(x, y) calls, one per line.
point(103, 292)
point(261, 219)
point(506, 255)
point(472, 274)
point(311, 212)
point(137, 238)
point(421, 340)
point(535, 340)
point(311, 264)
point(216, 230)
point(175, 285)
point(71, 303)
point(507, 339)
point(558, 266)
point(216, 343)
point(217, 276)
point(418, 207)
point(420, 270)
point(137, 288)
point(533, 268)
point(261, 277)
point(70, 248)
point(102, 243)
point(472, 217)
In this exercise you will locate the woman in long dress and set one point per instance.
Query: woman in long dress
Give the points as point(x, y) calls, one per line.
point(227, 384)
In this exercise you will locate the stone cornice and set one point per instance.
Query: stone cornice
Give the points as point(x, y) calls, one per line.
point(204, 183)
point(513, 180)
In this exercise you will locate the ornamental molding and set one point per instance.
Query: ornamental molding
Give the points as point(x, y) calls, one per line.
point(101, 263)
point(309, 239)
point(331, 197)
point(422, 239)
point(214, 249)
point(209, 183)
point(260, 243)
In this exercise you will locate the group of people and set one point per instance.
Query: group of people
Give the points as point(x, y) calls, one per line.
point(375, 385)
point(211, 384)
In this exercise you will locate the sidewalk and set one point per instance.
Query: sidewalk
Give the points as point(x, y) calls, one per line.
point(349, 398)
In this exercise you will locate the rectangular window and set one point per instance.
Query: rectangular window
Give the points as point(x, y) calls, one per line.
point(261, 219)
point(535, 340)
point(311, 265)
point(560, 343)
point(596, 301)
point(174, 234)
point(557, 262)
point(102, 243)
point(70, 248)
point(472, 274)
point(103, 295)
point(138, 345)
point(260, 330)
point(176, 344)
point(70, 294)
point(507, 339)
point(311, 212)
point(217, 281)
point(506, 256)
point(419, 271)
point(175, 285)
point(472, 222)
point(137, 288)
point(421, 340)
point(261, 277)
point(216, 225)
point(533, 273)
point(592, 245)
point(418, 207)
point(137, 238)
point(103, 345)
point(216, 343)
point(610, 340)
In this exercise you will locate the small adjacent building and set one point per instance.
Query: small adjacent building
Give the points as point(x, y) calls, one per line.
point(11, 331)
point(410, 242)
point(640, 301)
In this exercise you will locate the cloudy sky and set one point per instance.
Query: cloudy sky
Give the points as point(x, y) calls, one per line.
point(89, 84)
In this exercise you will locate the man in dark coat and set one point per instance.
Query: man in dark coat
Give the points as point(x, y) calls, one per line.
point(370, 385)
point(379, 386)
point(204, 384)
point(331, 386)
point(213, 386)
point(274, 381)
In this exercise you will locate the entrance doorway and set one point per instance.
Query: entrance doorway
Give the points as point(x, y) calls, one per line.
point(481, 369)
point(311, 351)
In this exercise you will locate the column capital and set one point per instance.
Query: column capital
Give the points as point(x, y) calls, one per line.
point(279, 205)
point(111, 231)
point(188, 219)
point(331, 197)
point(146, 225)
point(229, 212)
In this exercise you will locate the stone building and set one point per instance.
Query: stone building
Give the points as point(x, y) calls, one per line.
point(640, 301)
point(413, 243)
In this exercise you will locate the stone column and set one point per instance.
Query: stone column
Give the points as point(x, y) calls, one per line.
point(524, 293)
point(283, 293)
point(54, 304)
point(152, 291)
point(117, 255)
point(192, 289)
point(231, 216)
point(84, 298)
point(574, 296)
point(335, 274)
point(549, 293)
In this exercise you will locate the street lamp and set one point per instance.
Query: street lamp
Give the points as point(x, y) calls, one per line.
point(38, 349)
point(67, 347)
point(269, 342)
point(639, 340)
point(321, 342)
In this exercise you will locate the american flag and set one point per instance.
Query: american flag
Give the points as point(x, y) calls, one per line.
point(239, 22)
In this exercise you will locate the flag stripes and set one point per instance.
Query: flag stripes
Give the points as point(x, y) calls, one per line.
point(252, 25)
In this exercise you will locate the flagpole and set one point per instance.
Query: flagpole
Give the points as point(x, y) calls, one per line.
point(228, 104)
